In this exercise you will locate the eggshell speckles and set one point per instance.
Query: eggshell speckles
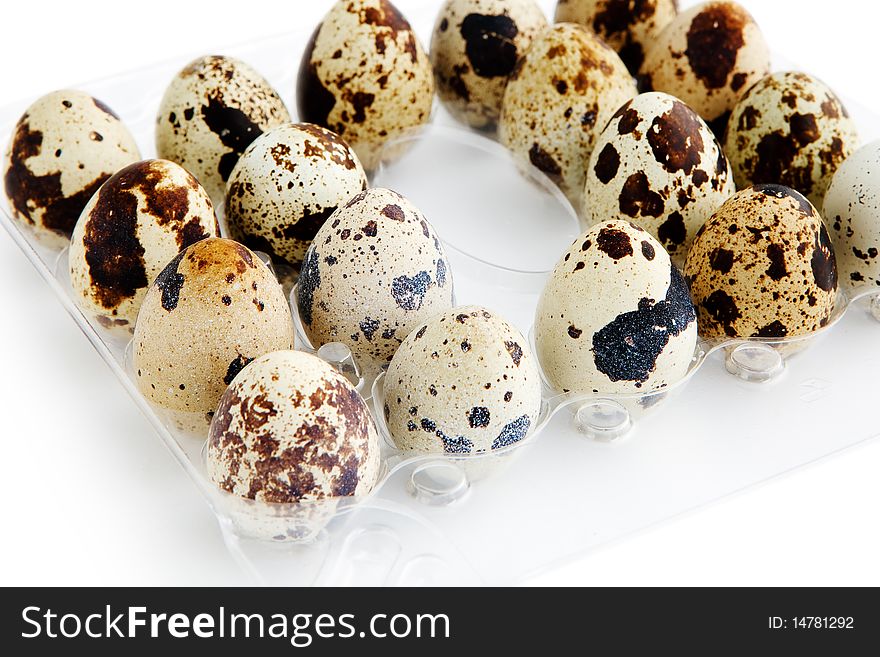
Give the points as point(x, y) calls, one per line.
point(763, 266)
point(615, 316)
point(211, 112)
point(374, 272)
point(628, 26)
point(558, 100)
point(708, 56)
point(286, 185)
point(138, 221)
point(790, 129)
point(474, 48)
point(211, 311)
point(365, 76)
point(852, 212)
point(291, 428)
point(658, 164)
point(64, 147)
point(464, 382)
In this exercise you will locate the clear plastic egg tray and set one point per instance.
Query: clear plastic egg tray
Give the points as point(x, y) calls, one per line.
point(594, 469)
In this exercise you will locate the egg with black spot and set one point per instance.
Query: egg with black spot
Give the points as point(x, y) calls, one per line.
point(141, 218)
point(211, 112)
point(615, 316)
point(852, 213)
point(211, 311)
point(365, 76)
point(375, 271)
point(628, 26)
point(285, 186)
point(474, 49)
point(659, 165)
point(708, 57)
point(560, 97)
point(464, 382)
point(290, 428)
point(63, 148)
point(763, 267)
point(790, 129)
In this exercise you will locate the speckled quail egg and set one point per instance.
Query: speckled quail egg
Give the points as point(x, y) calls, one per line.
point(138, 221)
point(463, 382)
point(560, 97)
point(763, 266)
point(615, 316)
point(365, 76)
point(291, 428)
point(64, 147)
point(790, 129)
point(374, 272)
point(658, 164)
point(285, 186)
point(628, 26)
point(852, 213)
point(211, 311)
point(474, 48)
point(708, 57)
point(211, 112)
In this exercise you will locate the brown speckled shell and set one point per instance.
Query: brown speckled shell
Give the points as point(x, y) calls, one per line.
point(138, 221)
point(558, 100)
point(286, 185)
point(64, 147)
point(211, 311)
point(291, 428)
point(790, 129)
point(708, 57)
point(375, 270)
point(211, 112)
point(365, 76)
point(474, 48)
point(763, 266)
point(628, 26)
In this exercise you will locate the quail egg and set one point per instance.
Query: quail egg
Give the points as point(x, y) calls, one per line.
point(790, 129)
point(463, 382)
point(285, 186)
point(475, 47)
point(615, 316)
point(658, 164)
point(211, 112)
point(563, 92)
point(64, 147)
point(763, 266)
point(374, 272)
point(365, 76)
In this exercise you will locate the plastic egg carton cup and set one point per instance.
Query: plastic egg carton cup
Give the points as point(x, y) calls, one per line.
point(594, 467)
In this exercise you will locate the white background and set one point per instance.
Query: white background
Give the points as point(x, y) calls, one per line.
point(89, 494)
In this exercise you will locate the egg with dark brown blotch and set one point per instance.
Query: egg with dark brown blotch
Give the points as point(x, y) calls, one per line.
point(708, 57)
point(763, 267)
point(141, 218)
point(474, 48)
point(790, 129)
point(658, 164)
point(211, 311)
point(615, 317)
point(464, 382)
point(285, 186)
point(211, 112)
point(559, 98)
point(365, 76)
point(290, 428)
point(63, 148)
point(375, 271)
point(628, 26)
